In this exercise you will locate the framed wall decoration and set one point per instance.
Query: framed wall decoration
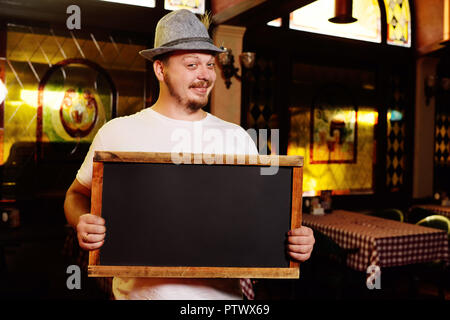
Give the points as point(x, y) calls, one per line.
point(334, 125)
point(75, 98)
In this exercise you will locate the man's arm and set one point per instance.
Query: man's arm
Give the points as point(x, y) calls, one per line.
point(77, 202)
point(90, 228)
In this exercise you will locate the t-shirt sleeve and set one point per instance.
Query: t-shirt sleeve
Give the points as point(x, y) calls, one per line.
point(251, 145)
point(84, 174)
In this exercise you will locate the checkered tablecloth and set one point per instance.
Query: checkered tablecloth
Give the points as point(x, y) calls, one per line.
point(381, 242)
point(436, 209)
point(247, 288)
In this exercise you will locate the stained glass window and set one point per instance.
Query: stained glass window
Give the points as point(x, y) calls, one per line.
point(261, 96)
point(395, 158)
point(75, 96)
point(3, 91)
point(398, 18)
point(146, 3)
point(442, 129)
point(314, 18)
point(275, 23)
point(396, 129)
point(442, 139)
point(196, 6)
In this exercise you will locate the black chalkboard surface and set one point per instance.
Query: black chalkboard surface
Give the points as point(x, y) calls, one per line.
point(194, 219)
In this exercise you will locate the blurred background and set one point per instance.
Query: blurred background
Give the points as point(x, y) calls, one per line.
point(359, 88)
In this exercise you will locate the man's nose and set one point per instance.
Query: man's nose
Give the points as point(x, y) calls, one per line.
point(205, 73)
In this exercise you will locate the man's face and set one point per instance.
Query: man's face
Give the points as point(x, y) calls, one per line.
point(190, 77)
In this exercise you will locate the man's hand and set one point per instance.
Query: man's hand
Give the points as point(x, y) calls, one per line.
point(91, 231)
point(300, 243)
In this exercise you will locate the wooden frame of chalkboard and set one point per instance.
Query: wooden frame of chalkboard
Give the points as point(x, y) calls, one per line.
point(106, 163)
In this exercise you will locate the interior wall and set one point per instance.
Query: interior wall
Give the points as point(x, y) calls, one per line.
point(226, 102)
point(423, 131)
point(429, 24)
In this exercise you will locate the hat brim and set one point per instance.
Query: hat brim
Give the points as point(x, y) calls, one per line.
point(194, 45)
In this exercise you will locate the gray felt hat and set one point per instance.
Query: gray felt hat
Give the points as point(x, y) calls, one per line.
point(180, 30)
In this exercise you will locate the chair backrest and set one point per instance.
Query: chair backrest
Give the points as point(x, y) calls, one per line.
point(391, 214)
point(436, 221)
point(416, 214)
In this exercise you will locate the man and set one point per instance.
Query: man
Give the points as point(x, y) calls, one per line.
point(183, 62)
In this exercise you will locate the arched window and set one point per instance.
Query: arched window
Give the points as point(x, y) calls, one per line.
point(398, 19)
point(313, 124)
point(314, 18)
point(275, 23)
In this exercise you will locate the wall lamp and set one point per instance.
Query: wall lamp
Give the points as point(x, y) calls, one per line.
point(429, 88)
point(226, 62)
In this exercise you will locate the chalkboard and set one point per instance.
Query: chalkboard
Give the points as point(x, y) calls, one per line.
point(206, 217)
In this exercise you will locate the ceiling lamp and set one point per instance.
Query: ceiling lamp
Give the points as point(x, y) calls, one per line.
point(343, 12)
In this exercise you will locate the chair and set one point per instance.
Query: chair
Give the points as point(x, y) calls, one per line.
point(416, 214)
point(436, 269)
point(391, 214)
point(436, 221)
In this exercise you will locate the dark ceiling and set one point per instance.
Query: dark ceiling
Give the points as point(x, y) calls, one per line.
point(94, 14)
point(113, 16)
point(265, 12)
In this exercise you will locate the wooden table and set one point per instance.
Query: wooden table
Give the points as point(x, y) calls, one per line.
point(436, 209)
point(381, 242)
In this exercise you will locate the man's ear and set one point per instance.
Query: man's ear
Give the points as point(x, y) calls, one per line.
point(158, 68)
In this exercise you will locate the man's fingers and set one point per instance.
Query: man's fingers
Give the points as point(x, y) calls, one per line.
point(299, 256)
point(89, 223)
point(301, 240)
point(302, 231)
point(91, 246)
point(91, 231)
point(300, 243)
point(92, 219)
point(300, 249)
point(94, 229)
point(90, 241)
point(92, 238)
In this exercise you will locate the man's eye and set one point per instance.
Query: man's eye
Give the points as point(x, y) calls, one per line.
point(191, 65)
point(211, 65)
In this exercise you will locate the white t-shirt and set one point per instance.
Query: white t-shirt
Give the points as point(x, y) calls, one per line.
point(150, 131)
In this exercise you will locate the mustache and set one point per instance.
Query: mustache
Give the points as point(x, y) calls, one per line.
point(201, 84)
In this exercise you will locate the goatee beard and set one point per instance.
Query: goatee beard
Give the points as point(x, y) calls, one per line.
point(191, 105)
point(194, 105)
